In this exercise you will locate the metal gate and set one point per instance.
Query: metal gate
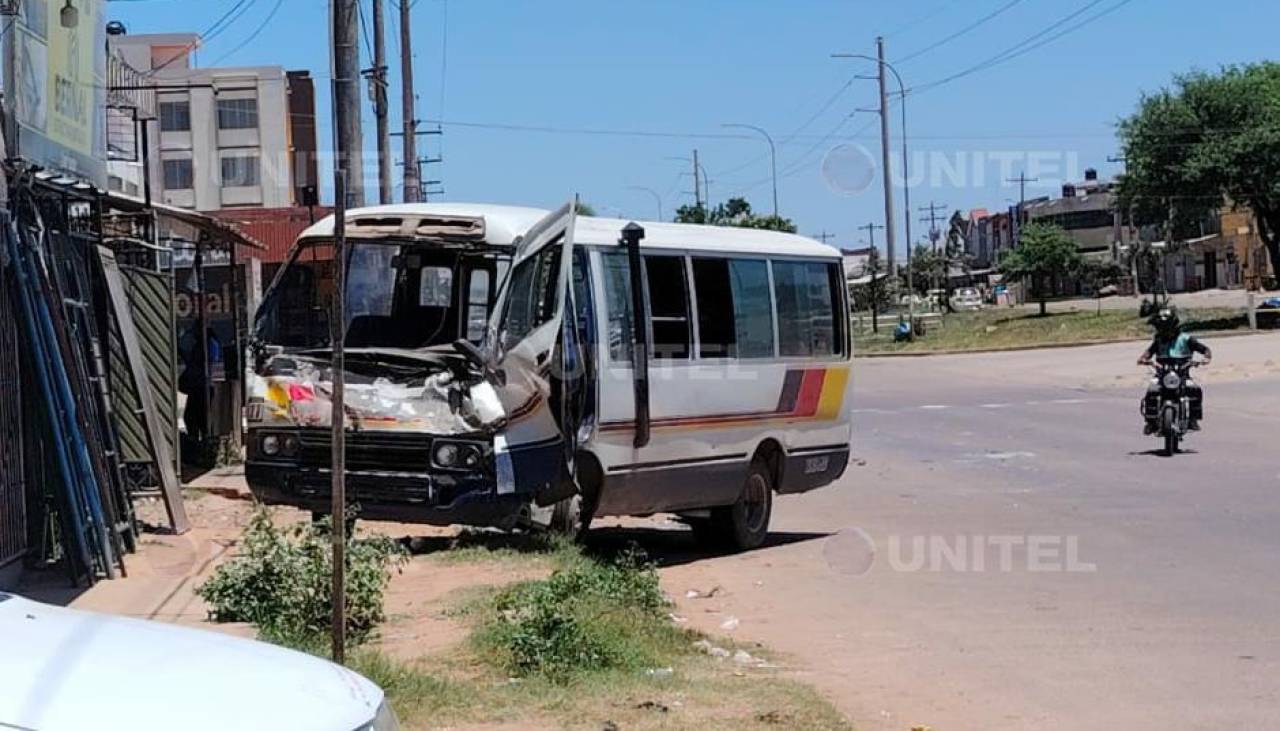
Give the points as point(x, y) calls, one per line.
point(13, 513)
point(149, 287)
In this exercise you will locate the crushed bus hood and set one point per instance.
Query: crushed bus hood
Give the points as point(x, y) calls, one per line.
point(386, 390)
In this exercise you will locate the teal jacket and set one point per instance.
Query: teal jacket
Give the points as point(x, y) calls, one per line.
point(1181, 345)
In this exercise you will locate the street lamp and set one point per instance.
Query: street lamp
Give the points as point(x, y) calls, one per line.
point(69, 16)
point(657, 199)
point(906, 173)
point(773, 158)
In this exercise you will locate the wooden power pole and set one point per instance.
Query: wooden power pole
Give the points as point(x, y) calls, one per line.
point(412, 176)
point(346, 98)
point(381, 107)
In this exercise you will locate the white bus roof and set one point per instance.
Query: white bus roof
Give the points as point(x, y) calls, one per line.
point(502, 224)
point(723, 239)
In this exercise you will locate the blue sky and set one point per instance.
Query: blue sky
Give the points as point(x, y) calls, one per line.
point(653, 80)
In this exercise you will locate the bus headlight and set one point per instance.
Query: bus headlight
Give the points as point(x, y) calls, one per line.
point(457, 455)
point(271, 445)
point(289, 445)
point(447, 455)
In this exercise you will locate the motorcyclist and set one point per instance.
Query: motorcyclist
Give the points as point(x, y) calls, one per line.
point(1170, 342)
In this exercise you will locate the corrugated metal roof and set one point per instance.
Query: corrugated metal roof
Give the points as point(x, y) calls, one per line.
point(275, 228)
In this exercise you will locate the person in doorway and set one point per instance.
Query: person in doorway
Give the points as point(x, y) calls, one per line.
point(1171, 343)
point(197, 384)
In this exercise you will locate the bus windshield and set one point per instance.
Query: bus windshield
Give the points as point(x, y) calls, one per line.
point(403, 295)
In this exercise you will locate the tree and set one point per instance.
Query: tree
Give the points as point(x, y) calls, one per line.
point(1098, 275)
point(733, 212)
point(874, 295)
point(1210, 140)
point(1044, 253)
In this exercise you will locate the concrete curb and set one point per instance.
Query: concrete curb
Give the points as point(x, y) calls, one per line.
point(1053, 346)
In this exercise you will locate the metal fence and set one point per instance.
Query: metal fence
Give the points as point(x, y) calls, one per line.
point(13, 513)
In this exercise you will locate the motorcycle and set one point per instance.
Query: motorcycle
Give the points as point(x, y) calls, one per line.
point(1173, 407)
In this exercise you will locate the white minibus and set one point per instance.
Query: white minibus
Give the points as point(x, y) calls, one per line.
point(626, 368)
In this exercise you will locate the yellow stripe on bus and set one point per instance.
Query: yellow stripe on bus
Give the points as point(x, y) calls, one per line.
point(833, 388)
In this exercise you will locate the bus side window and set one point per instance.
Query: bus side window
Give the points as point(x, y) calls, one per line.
point(807, 322)
point(735, 313)
point(617, 294)
point(668, 306)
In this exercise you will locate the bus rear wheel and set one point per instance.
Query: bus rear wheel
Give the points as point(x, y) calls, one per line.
point(744, 525)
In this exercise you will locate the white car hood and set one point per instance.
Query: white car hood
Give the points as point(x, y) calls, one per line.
point(67, 669)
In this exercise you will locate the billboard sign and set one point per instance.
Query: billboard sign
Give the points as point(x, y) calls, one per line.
point(59, 84)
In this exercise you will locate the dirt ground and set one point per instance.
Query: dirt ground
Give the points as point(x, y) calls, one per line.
point(421, 598)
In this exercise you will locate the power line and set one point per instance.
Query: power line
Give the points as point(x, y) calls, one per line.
point(920, 20)
point(788, 138)
point(250, 38)
point(221, 24)
point(601, 131)
point(364, 29)
point(963, 31)
point(1030, 43)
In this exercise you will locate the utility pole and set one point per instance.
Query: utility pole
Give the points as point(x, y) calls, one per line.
point(346, 98)
point(824, 237)
point(338, 494)
point(935, 233)
point(1022, 181)
point(870, 228)
point(697, 180)
point(932, 219)
point(884, 160)
point(412, 175)
point(381, 108)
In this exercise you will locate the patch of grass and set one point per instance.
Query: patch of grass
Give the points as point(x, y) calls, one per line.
point(472, 546)
point(589, 644)
point(1011, 329)
point(281, 581)
point(587, 617)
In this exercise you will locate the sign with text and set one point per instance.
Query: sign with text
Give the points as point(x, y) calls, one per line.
point(59, 87)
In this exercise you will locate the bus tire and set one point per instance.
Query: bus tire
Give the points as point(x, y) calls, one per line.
point(570, 518)
point(744, 525)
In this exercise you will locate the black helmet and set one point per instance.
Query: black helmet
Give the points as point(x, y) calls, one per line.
point(1165, 320)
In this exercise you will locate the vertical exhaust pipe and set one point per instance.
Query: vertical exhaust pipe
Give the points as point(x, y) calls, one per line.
point(632, 233)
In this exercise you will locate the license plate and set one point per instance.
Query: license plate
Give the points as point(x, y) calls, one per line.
point(814, 465)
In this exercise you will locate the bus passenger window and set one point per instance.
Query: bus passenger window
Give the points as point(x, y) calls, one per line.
point(806, 309)
point(477, 304)
point(617, 294)
point(735, 314)
point(668, 306)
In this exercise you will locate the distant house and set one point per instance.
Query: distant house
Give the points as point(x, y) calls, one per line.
point(1087, 212)
point(989, 235)
point(855, 261)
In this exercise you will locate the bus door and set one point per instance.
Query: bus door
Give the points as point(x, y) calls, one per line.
point(536, 352)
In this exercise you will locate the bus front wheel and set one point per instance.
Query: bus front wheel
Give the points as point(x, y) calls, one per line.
point(744, 525)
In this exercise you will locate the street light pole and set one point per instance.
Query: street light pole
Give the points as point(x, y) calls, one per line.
point(906, 172)
point(657, 199)
point(773, 159)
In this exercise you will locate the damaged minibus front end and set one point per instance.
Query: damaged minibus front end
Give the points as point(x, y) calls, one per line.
point(440, 430)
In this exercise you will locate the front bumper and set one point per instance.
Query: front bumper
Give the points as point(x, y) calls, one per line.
point(434, 499)
point(389, 476)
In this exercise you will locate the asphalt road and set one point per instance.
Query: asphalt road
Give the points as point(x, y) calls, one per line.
point(1013, 554)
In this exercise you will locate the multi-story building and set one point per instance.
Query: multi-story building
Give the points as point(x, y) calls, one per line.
point(1086, 211)
point(225, 137)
